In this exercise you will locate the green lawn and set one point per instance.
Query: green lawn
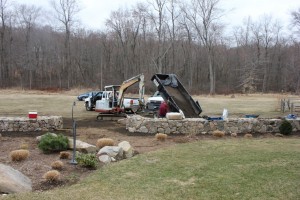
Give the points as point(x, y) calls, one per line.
point(208, 169)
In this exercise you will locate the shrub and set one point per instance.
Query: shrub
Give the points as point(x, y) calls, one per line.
point(248, 135)
point(285, 128)
point(218, 134)
point(104, 142)
point(87, 160)
point(50, 143)
point(52, 176)
point(161, 136)
point(64, 155)
point(18, 155)
point(57, 165)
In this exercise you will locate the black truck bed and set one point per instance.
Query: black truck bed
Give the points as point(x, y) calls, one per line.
point(174, 92)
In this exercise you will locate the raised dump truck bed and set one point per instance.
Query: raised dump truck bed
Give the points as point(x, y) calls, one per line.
point(173, 92)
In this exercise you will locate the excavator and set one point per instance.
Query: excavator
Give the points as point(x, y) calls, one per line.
point(113, 102)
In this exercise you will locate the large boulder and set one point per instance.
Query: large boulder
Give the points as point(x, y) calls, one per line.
point(13, 181)
point(112, 151)
point(127, 149)
point(82, 146)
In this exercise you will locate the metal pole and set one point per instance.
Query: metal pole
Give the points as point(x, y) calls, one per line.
point(73, 161)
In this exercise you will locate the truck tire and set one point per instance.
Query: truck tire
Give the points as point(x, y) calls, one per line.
point(87, 107)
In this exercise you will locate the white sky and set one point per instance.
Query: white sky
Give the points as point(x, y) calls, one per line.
point(95, 12)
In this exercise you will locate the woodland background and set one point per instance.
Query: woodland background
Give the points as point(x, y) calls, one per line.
point(42, 49)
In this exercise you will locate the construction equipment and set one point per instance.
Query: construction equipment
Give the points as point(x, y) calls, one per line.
point(113, 101)
point(177, 97)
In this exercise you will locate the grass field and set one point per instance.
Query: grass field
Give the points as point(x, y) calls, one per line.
point(18, 103)
point(209, 169)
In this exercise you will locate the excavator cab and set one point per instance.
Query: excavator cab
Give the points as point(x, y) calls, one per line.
point(112, 101)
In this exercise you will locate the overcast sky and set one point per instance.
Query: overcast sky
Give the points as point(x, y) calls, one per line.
point(95, 12)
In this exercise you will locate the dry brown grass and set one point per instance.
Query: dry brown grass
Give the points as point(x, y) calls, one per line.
point(64, 155)
point(161, 136)
point(24, 146)
point(102, 142)
point(19, 155)
point(248, 135)
point(218, 134)
point(52, 176)
point(49, 103)
point(58, 165)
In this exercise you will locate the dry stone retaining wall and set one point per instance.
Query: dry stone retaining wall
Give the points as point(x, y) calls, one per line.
point(193, 126)
point(42, 123)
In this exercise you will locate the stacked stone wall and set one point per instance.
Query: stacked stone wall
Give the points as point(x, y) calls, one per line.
point(194, 126)
point(24, 124)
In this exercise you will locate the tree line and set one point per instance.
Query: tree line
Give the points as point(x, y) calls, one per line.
point(156, 36)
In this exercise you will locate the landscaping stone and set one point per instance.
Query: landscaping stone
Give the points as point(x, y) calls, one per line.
point(13, 181)
point(38, 138)
point(105, 159)
point(112, 151)
point(127, 149)
point(82, 146)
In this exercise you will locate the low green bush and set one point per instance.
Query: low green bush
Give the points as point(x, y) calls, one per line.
point(285, 127)
point(87, 160)
point(50, 143)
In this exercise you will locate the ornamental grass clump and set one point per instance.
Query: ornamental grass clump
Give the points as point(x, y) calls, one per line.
point(161, 137)
point(50, 143)
point(285, 127)
point(218, 134)
point(248, 135)
point(64, 155)
point(58, 165)
point(52, 176)
point(104, 142)
point(19, 155)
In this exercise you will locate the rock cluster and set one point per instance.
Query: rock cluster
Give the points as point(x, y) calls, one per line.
point(42, 123)
point(193, 126)
point(109, 154)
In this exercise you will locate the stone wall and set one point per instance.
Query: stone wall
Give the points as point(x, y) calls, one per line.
point(193, 126)
point(42, 123)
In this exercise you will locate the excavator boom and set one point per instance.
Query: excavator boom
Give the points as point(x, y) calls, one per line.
point(126, 84)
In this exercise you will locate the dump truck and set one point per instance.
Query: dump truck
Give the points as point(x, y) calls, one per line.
point(177, 97)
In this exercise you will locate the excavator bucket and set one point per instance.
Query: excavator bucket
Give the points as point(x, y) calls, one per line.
point(176, 95)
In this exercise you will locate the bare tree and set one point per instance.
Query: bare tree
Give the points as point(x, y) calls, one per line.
point(65, 13)
point(4, 15)
point(296, 19)
point(27, 16)
point(204, 16)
